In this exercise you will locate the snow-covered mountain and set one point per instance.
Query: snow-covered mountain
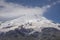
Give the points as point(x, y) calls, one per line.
point(28, 21)
point(29, 26)
point(29, 29)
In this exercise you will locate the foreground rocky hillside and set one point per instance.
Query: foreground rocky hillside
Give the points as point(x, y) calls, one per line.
point(48, 33)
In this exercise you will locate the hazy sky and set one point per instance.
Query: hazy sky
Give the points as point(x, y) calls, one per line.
point(11, 9)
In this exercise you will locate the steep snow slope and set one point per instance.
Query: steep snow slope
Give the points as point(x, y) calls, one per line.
point(28, 21)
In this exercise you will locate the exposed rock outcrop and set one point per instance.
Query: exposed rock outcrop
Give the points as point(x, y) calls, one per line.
point(23, 34)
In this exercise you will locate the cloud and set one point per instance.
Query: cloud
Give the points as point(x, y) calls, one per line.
point(11, 10)
point(14, 10)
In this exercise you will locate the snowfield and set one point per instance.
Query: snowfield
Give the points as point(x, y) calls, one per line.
point(36, 24)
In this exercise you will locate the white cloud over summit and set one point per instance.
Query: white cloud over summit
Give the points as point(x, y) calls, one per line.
point(11, 10)
point(14, 10)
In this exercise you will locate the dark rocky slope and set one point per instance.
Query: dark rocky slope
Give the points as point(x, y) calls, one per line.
point(23, 34)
